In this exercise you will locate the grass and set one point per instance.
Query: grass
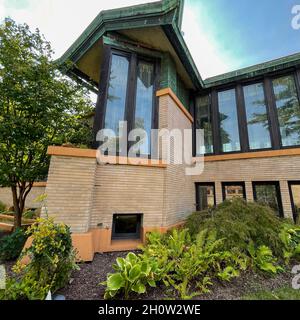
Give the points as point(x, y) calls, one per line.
point(286, 293)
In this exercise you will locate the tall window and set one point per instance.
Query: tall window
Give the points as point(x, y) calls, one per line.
point(130, 97)
point(144, 102)
point(205, 196)
point(229, 129)
point(204, 122)
point(288, 110)
point(268, 193)
point(117, 92)
point(257, 117)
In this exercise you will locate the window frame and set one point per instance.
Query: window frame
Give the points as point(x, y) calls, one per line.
point(233, 183)
point(132, 236)
point(211, 184)
point(130, 104)
point(270, 102)
point(278, 193)
point(290, 183)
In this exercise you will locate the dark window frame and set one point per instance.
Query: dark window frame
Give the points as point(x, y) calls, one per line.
point(130, 105)
point(233, 183)
point(290, 183)
point(203, 184)
point(133, 236)
point(278, 193)
point(270, 102)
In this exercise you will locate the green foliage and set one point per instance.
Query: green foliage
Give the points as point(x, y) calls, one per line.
point(240, 223)
point(262, 258)
point(12, 245)
point(38, 107)
point(290, 237)
point(2, 207)
point(132, 275)
point(29, 215)
point(182, 261)
point(52, 260)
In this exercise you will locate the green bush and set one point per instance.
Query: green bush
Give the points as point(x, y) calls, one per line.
point(29, 215)
point(52, 260)
point(240, 223)
point(2, 206)
point(12, 245)
point(132, 275)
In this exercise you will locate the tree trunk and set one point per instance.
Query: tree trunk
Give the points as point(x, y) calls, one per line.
point(19, 194)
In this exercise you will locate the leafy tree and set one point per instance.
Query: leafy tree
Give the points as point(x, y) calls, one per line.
point(38, 107)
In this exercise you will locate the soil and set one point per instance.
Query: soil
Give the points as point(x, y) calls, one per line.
point(85, 283)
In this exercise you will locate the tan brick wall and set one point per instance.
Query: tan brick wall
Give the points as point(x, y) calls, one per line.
point(128, 189)
point(6, 197)
point(70, 189)
point(179, 189)
point(281, 169)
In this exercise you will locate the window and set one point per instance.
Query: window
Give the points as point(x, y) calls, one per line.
point(268, 193)
point(295, 198)
point(205, 196)
point(288, 110)
point(204, 122)
point(229, 129)
point(130, 97)
point(257, 117)
point(126, 226)
point(144, 102)
point(233, 189)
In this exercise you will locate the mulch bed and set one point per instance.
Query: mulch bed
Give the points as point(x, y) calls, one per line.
point(85, 283)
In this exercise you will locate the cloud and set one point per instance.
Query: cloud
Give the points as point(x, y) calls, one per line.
point(62, 22)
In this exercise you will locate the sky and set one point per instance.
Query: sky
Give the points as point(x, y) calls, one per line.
point(222, 35)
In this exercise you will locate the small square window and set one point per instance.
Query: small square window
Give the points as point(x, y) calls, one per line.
point(205, 196)
point(126, 226)
point(233, 190)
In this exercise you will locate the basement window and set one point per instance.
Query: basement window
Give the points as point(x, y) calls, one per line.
point(233, 190)
point(126, 226)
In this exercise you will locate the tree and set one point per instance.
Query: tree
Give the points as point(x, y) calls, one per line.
point(38, 107)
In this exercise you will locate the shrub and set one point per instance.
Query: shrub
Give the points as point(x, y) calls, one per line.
point(2, 206)
point(290, 237)
point(12, 245)
point(29, 214)
point(52, 259)
point(132, 275)
point(240, 223)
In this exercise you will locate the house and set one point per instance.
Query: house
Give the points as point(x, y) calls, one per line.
point(136, 60)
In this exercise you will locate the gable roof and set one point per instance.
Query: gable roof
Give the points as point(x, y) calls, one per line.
point(167, 14)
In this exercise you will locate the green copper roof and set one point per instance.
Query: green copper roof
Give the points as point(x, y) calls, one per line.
point(254, 71)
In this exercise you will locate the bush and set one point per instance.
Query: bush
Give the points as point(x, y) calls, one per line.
point(52, 260)
point(29, 215)
point(12, 245)
point(240, 223)
point(2, 206)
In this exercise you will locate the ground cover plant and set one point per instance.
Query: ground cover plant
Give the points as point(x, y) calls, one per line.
point(216, 244)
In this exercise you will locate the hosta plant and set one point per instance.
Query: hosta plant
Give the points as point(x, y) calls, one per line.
point(132, 275)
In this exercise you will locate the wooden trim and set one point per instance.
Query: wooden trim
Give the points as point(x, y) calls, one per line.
point(40, 184)
point(169, 92)
point(253, 155)
point(91, 153)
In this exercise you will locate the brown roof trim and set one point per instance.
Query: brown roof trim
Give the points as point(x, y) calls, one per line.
point(170, 92)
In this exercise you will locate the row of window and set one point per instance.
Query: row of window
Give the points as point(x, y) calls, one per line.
point(263, 192)
point(246, 117)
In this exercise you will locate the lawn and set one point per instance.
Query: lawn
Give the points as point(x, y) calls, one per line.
point(285, 293)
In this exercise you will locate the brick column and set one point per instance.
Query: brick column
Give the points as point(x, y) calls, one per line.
point(219, 193)
point(70, 188)
point(249, 191)
point(286, 200)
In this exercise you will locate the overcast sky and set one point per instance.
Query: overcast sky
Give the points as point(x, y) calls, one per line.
point(222, 35)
